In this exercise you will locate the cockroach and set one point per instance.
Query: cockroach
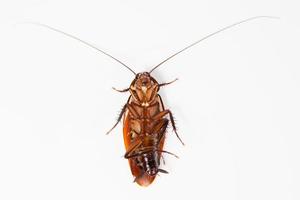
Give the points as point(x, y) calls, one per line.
point(145, 118)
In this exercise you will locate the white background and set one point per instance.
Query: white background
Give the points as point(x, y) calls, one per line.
point(236, 101)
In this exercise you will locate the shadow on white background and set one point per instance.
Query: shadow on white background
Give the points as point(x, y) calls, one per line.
point(236, 101)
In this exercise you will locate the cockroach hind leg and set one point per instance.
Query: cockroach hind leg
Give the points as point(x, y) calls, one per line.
point(124, 90)
point(165, 112)
point(132, 148)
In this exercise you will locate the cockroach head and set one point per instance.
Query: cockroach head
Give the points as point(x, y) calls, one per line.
point(144, 79)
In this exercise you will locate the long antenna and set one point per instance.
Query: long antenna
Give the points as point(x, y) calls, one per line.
point(208, 36)
point(84, 42)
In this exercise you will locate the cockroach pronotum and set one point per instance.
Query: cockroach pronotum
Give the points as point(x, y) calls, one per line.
point(145, 118)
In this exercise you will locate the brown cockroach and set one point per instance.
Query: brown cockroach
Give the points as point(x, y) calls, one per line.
point(145, 118)
point(144, 127)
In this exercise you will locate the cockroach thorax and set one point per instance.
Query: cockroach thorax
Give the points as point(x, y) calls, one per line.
point(143, 88)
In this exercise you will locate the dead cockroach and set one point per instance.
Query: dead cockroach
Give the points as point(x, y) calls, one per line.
point(145, 118)
point(144, 127)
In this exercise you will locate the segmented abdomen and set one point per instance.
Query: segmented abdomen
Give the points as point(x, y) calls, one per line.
point(151, 135)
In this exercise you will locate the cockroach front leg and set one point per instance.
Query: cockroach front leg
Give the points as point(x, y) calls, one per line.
point(168, 83)
point(124, 90)
point(162, 114)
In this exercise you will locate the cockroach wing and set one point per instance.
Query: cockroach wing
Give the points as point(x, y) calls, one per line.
point(142, 178)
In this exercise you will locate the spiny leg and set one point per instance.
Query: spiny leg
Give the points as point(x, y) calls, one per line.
point(174, 127)
point(151, 149)
point(160, 129)
point(120, 116)
point(167, 121)
point(165, 112)
point(137, 143)
point(168, 83)
point(162, 126)
point(144, 150)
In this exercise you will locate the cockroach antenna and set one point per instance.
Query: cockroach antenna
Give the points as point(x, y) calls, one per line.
point(82, 41)
point(210, 35)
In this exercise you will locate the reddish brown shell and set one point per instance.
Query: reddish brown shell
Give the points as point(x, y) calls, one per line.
point(145, 180)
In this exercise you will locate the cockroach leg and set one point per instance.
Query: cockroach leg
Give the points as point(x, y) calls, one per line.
point(160, 128)
point(162, 134)
point(174, 127)
point(145, 151)
point(119, 118)
point(124, 90)
point(132, 148)
point(165, 112)
point(168, 83)
point(162, 103)
point(163, 171)
point(163, 159)
point(167, 152)
point(120, 115)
